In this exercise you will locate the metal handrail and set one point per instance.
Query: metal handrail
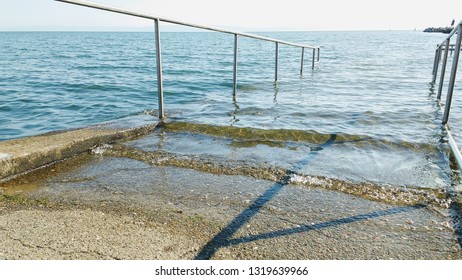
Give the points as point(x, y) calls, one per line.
point(236, 34)
point(444, 47)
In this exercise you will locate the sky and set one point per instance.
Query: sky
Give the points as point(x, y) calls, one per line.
point(245, 15)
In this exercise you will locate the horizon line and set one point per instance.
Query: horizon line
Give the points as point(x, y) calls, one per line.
point(173, 29)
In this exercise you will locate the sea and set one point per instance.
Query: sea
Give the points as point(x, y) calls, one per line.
point(367, 112)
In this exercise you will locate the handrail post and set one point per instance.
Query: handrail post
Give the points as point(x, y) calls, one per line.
point(160, 89)
point(303, 58)
point(235, 66)
point(452, 79)
point(443, 69)
point(314, 57)
point(437, 62)
point(319, 51)
point(276, 63)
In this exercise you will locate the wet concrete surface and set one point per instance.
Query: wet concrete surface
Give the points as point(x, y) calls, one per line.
point(26, 154)
point(102, 207)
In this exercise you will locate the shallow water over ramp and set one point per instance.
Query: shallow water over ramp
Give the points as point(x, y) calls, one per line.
point(245, 217)
point(352, 158)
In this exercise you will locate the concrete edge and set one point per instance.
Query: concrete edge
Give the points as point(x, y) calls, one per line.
point(23, 155)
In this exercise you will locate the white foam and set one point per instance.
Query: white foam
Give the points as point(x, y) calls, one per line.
point(99, 150)
point(5, 156)
point(299, 179)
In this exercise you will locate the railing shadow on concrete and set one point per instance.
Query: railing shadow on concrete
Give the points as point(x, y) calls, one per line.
point(225, 237)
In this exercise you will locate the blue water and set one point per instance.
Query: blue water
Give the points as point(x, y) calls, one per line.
point(368, 83)
point(373, 84)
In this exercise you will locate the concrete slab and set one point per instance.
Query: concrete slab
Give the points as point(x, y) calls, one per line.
point(26, 154)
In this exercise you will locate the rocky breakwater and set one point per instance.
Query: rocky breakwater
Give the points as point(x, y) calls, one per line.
point(445, 30)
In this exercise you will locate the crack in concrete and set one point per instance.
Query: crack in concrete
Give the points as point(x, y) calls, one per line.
point(61, 252)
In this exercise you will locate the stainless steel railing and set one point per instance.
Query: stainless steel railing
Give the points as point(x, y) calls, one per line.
point(442, 52)
point(157, 19)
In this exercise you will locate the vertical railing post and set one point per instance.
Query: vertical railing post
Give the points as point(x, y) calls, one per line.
point(160, 89)
point(443, 69)
point(437, 62)
point(314, 57)
point(452, 79)
point(235, 66)
point(303, 58)
point(319, 51)
point(276, 63)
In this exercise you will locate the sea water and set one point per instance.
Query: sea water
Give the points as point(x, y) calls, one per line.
point(371, 93)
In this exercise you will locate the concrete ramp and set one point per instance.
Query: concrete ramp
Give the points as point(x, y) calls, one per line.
point(26, 154)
